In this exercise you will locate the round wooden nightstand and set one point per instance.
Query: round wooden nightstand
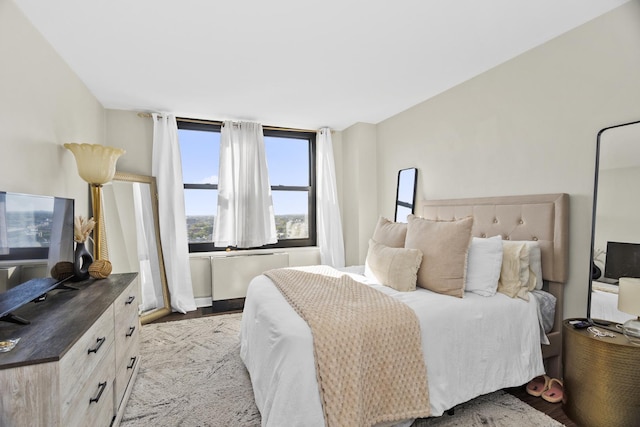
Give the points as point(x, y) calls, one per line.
point(601, 378)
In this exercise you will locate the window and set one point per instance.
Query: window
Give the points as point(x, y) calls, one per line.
point(291, 162)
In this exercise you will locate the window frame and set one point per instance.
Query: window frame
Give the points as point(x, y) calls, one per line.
point(310, 136)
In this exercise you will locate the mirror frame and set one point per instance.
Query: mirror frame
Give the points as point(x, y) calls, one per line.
point(399, 203)
point(165, 309)
point(593, 222)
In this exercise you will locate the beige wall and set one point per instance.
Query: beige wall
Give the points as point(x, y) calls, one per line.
point(526, 126)
point(127, 130)
point(359, 189)
point(43, 104)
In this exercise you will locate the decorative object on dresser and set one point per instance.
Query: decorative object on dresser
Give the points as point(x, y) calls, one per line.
point(601, 377)
point(82, 258)
point(615, 232)
point(96, 165)
point(76, 362)
point(629, 302)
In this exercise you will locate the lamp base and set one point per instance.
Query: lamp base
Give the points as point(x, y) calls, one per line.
point(631, 330)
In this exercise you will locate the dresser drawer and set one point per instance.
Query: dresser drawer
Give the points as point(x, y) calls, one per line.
point(127, 354)
point(93, 403)
point(93, 348)
point(127, 334)
point(127, 331)
point(127, 339)
point(125, 369)
point(127, 302)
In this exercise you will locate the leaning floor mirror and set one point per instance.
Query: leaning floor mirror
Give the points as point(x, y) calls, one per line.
point(133, 239)
point(615, 237)
point(406, 194)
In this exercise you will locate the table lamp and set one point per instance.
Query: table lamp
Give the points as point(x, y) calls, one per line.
point(629, 302)
point(96, 165)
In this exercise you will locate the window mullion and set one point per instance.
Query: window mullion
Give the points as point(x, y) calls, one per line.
point(290, 188)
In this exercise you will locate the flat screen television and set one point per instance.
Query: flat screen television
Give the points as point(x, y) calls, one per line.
point(35, 231)
point(623, 260)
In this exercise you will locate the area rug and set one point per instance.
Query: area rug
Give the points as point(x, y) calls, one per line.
point(191, 374)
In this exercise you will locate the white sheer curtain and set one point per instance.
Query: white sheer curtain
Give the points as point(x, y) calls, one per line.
point(245, 209)
point(167, 168)
point(328, 222)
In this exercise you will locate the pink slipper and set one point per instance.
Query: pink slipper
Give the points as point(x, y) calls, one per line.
point(555, 391)
point(538, 385)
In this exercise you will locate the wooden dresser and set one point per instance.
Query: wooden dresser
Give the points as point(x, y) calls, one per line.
point(77, 360)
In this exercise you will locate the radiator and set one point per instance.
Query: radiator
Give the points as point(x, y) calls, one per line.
point(231, 275)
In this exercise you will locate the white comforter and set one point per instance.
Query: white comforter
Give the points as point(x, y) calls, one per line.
point(604, 303)
point(472, 346)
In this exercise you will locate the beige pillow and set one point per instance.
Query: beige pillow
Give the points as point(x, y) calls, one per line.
point(535, 264)
point(390, 233)
point(444, 246)
point(393, 267)
point(515, 279)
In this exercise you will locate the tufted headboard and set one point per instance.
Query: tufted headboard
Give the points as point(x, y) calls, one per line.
point(540, 217)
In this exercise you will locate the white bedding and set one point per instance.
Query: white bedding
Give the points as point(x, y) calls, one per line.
point(604, 303)
point(472, 346)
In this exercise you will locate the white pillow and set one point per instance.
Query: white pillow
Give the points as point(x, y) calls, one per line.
point(484, 262)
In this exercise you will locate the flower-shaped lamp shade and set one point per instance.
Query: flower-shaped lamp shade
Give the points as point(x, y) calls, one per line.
point(96, 163)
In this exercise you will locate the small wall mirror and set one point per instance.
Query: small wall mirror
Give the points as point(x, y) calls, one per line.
point(133, 239)
point(615, 237)
point(406, 193)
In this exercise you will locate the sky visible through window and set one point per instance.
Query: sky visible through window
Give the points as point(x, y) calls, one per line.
point(287, 161)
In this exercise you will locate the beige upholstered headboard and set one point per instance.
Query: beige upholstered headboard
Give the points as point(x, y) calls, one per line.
point(540, 217)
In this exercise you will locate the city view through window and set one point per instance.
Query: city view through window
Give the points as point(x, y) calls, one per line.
point(288, 226)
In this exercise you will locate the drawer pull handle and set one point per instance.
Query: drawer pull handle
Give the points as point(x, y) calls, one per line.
point(101, 386)
point(130, 300)
point(131, 331)
point(132, 362)
point(99, 341)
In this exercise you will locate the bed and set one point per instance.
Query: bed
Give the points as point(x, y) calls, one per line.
point(464, 348)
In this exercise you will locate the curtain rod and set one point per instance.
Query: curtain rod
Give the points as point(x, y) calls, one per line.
point(218, 122)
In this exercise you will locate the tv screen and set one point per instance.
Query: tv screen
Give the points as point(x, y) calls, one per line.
point(623, 260)
point(35, 230)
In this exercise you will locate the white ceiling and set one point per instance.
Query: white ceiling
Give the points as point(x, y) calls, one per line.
point(293, 63)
